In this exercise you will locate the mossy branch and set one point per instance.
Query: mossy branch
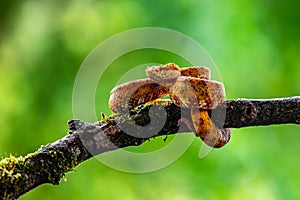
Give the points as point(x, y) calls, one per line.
point(50, 163)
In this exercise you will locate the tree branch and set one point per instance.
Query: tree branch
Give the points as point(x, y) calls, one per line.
point(50, 163)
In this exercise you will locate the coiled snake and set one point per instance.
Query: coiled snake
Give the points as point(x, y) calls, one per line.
point(189, 87)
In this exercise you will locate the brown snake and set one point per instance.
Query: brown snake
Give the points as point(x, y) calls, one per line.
point(189, 87)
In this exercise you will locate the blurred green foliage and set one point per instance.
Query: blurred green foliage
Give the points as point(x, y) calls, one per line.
point(255, 44)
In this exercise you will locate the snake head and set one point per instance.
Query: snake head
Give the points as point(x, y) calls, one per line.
point(163, 73)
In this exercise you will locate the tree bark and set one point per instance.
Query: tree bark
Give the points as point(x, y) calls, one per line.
point(84, 140)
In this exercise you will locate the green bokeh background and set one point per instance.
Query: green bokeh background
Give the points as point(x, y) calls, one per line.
point(255, 44)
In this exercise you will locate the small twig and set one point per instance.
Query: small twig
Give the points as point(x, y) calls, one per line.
point(50, 163)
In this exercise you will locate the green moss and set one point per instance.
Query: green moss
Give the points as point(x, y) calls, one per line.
point(11, 178)
point(60, 162)
point(47, 163)
point(106, 119)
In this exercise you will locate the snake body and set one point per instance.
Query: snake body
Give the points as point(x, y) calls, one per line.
point(126, 96)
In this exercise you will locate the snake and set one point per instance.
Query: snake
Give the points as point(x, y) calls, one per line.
point(188, 87)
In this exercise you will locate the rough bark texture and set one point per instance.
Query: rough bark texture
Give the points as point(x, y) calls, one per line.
point(50, 163)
